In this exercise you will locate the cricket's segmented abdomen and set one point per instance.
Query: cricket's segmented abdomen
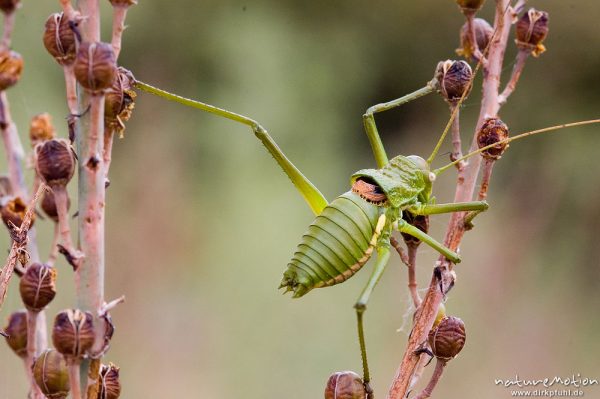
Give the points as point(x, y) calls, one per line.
point(337, 244)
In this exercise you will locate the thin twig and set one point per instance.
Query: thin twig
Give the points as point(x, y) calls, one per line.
point(435, 377)
point(119, 15)
point(18, 245)
point(71, 89)
point(14, 149)
point(456, 142)
point(522, 56)
point(476, 53)
point(9, 24)
point(488, 166)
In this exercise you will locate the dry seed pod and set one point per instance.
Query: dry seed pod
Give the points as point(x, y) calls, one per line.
point(419, 221)
point(110, 385)
point(492, 131)
point(17, 332)
point(454, 77)
point(55, 162)
point(95, 66)
point(345, 385)
point(73, 332)
point(119, 99)
point(531, 30)
point(470, 7)
point(14, 211)
point(483, 34)
point(51, 374)
point(448, 338)
point(38, 286)
point(41, 128)
point(49, 205)
point(59, 39)
point(9, 6)
point(11, 67)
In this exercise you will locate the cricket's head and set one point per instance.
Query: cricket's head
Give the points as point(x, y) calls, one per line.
point(396, 184)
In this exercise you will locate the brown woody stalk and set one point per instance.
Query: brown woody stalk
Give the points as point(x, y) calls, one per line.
point(91, 193)
point(9, 23)
point(443, 275)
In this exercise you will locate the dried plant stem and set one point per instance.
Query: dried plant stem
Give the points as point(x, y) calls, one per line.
point(9, 24)
point(424, 360)
point(68, 9)
point(74, 378)
point(13, 147)
point(522, 56)
point(118, 27)
point(456, 142)
point(32, 350)
point(477, 55)
point(109, 135)
point(410, 260)
point(443, 274)
point(91, 194)
point(435, 377)
point(71, 89)
point(18, 246)
point(61, 199)
point(54, 246)
point(488, 166)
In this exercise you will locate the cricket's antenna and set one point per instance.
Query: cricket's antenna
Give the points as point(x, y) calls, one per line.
point(517, 137)
point(454, 113)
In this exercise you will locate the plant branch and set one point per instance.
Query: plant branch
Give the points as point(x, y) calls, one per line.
point(522, 56)
point(435, 377)
point(443, 275)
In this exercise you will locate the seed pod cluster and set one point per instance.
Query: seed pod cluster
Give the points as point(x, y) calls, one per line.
point(55, 162)
point(51, 374)
point(119, 100)
point(95, 66)
point(9, 6)
point(345, 385)
point(59, 39)
point(483, 34)
point(448, 338)
point(492, 131)
point(16, 330)
point(110, 384)
point(73, 333)
point(13, 211)
point(470, 7)
point(11, 67)
point(531, 30)
point(38, 286)
point(454, 78)
point(41, 129)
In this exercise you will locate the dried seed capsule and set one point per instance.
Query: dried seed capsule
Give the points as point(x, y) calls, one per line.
point(17, 332)
point(41, 128)
point(110, 385)
point(73, 332)
point(14, 211)
point(55, 162)
point(11, 67)
point(38, 286)
point(59, 39)
point(492, 131)
point(448, 338)
point(9, 6)
point(470, 7)
point(51, 374)
point(483, 34)
point(119, 99)
point(345, 385)
point(454, 77)
point(49, 205)
point(419, 221)
point(531, 30)
point(95, 66)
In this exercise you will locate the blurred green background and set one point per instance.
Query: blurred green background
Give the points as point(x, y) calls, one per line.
point(201, 222)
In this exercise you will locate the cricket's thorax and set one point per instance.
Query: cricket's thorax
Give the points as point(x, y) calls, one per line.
point(337, 244)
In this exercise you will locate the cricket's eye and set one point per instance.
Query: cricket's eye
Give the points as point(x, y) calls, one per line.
point(370, 191)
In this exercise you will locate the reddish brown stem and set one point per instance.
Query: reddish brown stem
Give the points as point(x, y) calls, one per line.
point(522, 56)
point(109, 134)
point(9, 24)
point(61, 199)
point(14, 149)
point(456, 142)
point(412, 275)
point(54, 246)
point(74, 378)
point(477, 55)
point(119, 15)
point(435, 377)
point(488, 166)
point(71, 89)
